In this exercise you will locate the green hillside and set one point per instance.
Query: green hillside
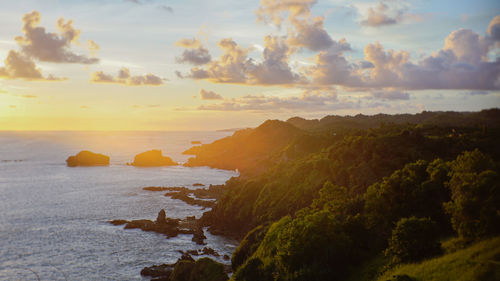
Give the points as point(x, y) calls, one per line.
point(478, 262)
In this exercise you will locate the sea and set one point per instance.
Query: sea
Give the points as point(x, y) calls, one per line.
point(54, 218)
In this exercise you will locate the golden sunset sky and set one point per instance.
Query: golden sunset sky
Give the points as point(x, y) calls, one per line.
point(205, 65)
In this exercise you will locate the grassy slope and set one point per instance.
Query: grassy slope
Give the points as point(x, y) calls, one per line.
point(462, 265)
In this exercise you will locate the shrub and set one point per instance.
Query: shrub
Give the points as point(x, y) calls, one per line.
point(413, 239)
point(248, 246)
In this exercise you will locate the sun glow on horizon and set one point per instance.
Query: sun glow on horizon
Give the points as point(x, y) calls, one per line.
point(238, 64)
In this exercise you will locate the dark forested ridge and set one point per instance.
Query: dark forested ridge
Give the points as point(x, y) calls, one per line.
point(327, 199)
point(444, 118)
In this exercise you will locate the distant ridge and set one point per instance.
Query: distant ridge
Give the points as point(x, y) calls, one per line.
point(490, 117)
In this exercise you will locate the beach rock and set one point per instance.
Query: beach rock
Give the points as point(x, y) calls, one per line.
point(209, 252)
point(196, 142)
point(152, 158)
point(156, 188)
point(186, 257)
point(168, 226)
point(198, 184)
point(184, 196)
point(163, 271)
point(226, 257)
point(162, 218)
point(118, 222)
point(87, 158)
point(199, 237)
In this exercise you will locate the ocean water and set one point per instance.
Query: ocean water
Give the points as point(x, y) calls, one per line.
point(54, 219)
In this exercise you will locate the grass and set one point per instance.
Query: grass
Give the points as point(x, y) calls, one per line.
point(477, 262)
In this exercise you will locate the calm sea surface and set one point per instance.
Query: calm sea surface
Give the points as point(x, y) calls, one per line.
point(53, 219)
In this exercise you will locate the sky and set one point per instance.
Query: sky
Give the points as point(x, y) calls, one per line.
point(208, 65)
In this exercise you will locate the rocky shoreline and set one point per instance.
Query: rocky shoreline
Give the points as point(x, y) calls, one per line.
point(167, 226)
point(203, 197)
point(172, 227)
point(188, 269)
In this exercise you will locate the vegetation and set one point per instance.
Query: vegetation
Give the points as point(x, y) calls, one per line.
point(414, 239)
point(321, 199)
point(475, 189)
point(478, 262)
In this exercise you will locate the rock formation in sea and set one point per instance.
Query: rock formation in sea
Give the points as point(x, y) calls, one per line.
point(187, 269)
point(152, 158)
point(87, 158)
point(169, 227)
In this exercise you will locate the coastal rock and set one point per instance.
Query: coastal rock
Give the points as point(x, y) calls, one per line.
point(187, 269)
point(199, 237)
point(118, 222)
point(183, 193)
point(209, 252)
point(167, 226)
point(87, 158)
point(184, 196)
point(157, 188)
point(162, 218)
point(205, 251)
point(152, 158)
point(163, 270)
point(196, 142)
point(203, 269)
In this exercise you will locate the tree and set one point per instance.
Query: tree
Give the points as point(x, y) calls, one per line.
point(475, 195)
point(413, 239)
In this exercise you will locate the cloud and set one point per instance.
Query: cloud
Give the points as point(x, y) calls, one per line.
point(145, 106)
point(234, 65)
point(194, 52)
point(125, 78)
point(273, 10)
point(332, 68)
point(476, 93)
point(19, 66)
point(494, 28)
point(28, 96)
point(310, 100)
point(304, 31)
point(209, 95)
point(310, 34)
point(51, 47)
point(382, 15)
point(391, 95)
point(462, 63)
point(92, 46)
point(166, 8)
point(161, 7)
point(274, 68)
point(230, 68)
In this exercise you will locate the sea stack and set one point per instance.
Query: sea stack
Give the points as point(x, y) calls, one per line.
point(162, 217)
point(87, 158)
point(152, 158)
